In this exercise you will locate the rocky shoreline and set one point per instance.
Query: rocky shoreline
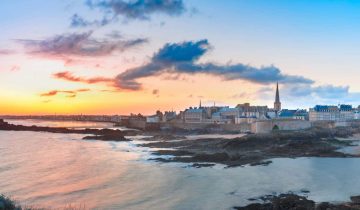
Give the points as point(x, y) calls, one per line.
point(95, 134)
point(296, 202)
point(253, 149)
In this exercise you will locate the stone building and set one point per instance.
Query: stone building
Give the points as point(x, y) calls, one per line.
point(332, 113)
point(245, 110)
point(194, 115)
point(169, 115)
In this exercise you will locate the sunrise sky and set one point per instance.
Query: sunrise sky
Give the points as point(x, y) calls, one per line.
point(121, 56)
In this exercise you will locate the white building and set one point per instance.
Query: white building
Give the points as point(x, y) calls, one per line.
point(259, 112)
point(331, 113)
point(357, 114)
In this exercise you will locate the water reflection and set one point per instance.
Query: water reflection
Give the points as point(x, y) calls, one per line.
point(61, 123)
point(55, 170)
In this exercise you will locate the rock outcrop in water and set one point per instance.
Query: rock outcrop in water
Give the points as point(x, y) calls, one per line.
point(296, 202)
point(96, 134)
point(255, 149)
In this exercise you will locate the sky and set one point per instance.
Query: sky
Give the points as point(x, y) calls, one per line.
point(139, 56)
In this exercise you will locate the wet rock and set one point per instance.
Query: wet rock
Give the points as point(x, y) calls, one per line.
point(261, 163)
point(283, 202)
point(296, 202)
point(106, 138)
point(201, 165)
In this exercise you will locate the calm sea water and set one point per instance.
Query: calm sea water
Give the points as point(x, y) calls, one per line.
point(57, 170)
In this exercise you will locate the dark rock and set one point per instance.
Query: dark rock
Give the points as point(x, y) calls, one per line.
point(296, 202)
point(261, 163)
point(107, 138)
point(200, 165)
point(216, 157)
point(256, 206)
point(283, 202)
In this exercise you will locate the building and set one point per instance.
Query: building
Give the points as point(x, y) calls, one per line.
point(332, 113)
point(229, 113)
point(346, 112)
point(224, 115)
point(194, 115)
point(324, 113)
point(297, 114)
point(245, 120)
point(245, 110)
point(357, 113)
point(277, 103)
point(153, 119)
point(169, 116)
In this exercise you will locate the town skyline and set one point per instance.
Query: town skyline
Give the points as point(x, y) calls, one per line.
point(89, 57)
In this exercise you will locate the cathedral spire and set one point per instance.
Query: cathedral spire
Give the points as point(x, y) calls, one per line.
point(277, 97)
point(277, 103)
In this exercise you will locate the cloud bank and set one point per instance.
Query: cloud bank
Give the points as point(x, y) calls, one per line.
point(78, 44)
point(183, 58)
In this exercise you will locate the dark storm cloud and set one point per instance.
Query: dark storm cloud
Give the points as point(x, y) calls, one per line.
point(182, 58)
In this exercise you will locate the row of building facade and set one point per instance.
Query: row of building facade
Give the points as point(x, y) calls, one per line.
point(246, 113)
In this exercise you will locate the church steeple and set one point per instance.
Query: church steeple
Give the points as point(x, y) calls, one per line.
point(277, 97)
point(277, 103)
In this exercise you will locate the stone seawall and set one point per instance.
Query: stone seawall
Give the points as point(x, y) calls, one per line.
point(266, 126)
point(140, 124)
point(202, 126)
point(334, 124)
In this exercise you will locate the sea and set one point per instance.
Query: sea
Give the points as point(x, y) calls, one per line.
point(62, 171)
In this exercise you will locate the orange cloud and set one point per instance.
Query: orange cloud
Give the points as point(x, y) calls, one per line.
point(70, 93)
point(66, 75)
